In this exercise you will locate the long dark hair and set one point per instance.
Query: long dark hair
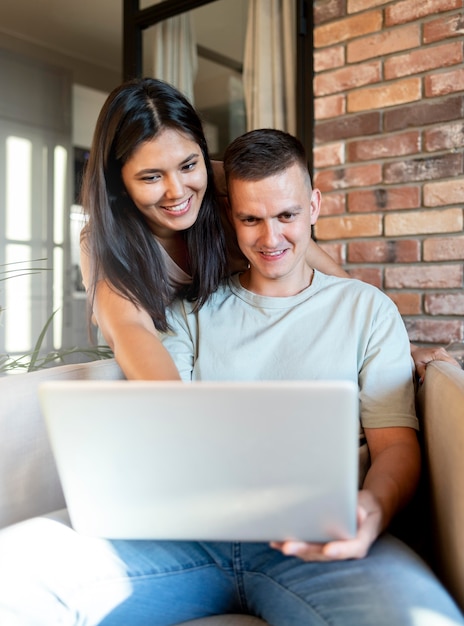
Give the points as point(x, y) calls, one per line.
point(121, 246)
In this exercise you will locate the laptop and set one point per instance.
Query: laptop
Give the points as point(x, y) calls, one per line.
point(231, 461)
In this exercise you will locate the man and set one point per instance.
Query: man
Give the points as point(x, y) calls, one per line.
point(280, 319)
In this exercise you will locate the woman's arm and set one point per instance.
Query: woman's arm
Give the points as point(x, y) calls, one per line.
point(128, 330)
point(132, 336)
point(320, 260)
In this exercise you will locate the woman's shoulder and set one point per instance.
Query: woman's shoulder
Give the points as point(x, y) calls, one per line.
point(84, 234)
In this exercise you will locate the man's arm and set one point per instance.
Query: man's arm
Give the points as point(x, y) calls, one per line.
point(389, 484)
point(389, 423)
point(395, 469)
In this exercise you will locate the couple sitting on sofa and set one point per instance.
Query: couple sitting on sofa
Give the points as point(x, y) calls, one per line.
point(280, 318)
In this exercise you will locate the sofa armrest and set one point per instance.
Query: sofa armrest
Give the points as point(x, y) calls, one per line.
point(29, 483)
point(441, 404)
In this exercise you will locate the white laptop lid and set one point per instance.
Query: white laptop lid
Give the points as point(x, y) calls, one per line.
point(236, 461)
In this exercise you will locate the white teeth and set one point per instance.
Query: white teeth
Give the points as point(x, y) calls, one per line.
point(179, 207)
point(276, 253)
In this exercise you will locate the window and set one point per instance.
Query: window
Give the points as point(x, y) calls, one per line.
point(219, 93)
point(34, 202)
point(32, 240)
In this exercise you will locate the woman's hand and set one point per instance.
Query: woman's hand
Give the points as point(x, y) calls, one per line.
point(423, 356)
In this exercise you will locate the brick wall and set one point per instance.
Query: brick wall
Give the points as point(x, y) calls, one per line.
point(389, 152)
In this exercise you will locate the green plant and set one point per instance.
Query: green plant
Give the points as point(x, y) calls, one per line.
point(35, 359)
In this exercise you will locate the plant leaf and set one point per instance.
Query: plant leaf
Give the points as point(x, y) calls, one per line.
point(38, 345)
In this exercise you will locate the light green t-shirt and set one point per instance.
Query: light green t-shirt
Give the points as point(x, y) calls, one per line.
point(335, 329)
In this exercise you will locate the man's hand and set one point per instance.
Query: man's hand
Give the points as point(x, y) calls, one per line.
point(369, 528)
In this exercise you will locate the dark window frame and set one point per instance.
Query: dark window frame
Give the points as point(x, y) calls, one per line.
point(136, 20)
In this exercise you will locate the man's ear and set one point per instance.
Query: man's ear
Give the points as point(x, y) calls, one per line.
point(315, 205)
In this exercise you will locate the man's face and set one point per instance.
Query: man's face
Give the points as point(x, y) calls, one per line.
point(272, 218)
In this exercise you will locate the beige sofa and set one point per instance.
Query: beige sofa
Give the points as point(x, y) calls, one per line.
point(30, 486)
point(441, 405)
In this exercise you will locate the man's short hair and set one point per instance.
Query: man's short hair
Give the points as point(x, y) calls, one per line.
point(262, 153)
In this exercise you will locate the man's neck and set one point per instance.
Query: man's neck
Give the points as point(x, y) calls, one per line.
point(283, 287)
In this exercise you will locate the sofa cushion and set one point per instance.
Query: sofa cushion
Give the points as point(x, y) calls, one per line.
point(29, 483)
point(441, 400)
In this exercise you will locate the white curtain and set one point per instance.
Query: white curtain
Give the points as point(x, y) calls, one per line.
point(175, 52)
point(269, 68)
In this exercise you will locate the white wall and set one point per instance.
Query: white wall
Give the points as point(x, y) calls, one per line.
point(86, 104)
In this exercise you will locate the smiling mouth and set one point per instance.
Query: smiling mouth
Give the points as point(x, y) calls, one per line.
point(274, 254)
point(177, 208)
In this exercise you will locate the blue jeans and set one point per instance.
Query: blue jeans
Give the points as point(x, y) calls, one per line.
point(51, 575)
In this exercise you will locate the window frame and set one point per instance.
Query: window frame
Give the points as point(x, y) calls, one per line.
point(136, 20)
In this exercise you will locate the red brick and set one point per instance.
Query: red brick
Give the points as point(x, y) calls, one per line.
point(333, 203)
point(385, 42)
point(444, 83)
point(407, 303)
point(348, 28)
point(444, 304)
point(422, 113)
point(326, 10)
point(410, 10)
point(384, 147)
point(424, 277)
point(354, 176)
point(384, 251)
point(444, 137)
point(383, 199)
point(329, 155)
point(335, 250)
point(422, 60)
point(354, 6)
point(446, 192)
point(348, 126)
point(423, 222)
point(443, 28)
point(370, 275)
point(330, 228)
point(426, 168)
point(330, 106)
point(329, 58)
point(387, 95)
point(443, 249)
point(347, 78)
point(435, 331)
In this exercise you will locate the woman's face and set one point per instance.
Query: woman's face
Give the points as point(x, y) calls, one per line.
point(166, 178)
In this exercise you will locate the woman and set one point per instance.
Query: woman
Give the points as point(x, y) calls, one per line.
point(148, 238)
